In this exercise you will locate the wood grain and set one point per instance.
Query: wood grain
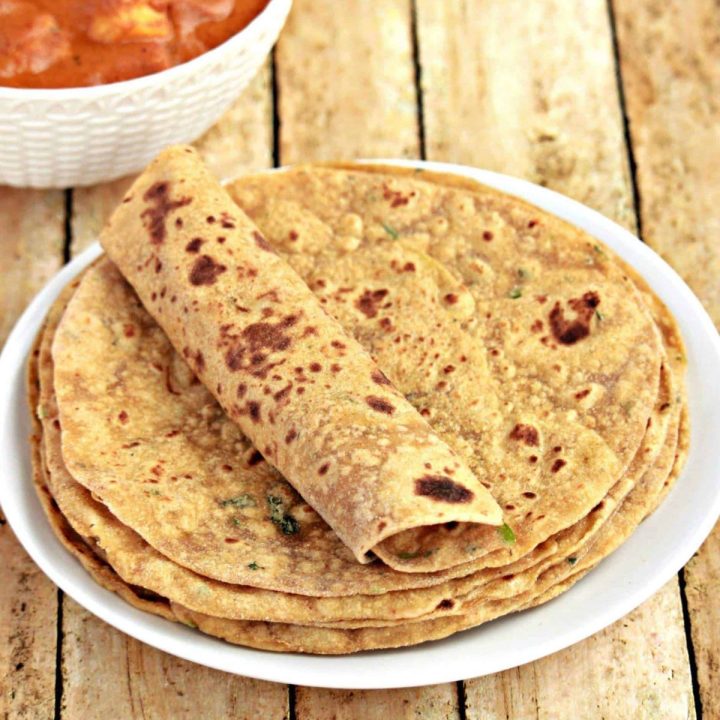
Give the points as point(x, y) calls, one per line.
point(109, 675)
point(346, 81)
point(670, 62)
point(31, 250)
point(702, 576)
point(436, 702)
point(611, 675)
point(504, 89)
point(240, 141)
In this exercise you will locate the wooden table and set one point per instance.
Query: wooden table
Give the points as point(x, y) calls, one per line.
point(617, 106)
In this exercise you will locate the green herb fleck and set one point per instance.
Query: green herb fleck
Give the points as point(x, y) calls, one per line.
point(599, 315)
point(515, 293)
point(190, 623)
point(254, 566)
point(41, 412)
point(236, 521)
point(391, 231)
point(572, 560)
point(287, 523)
point(241, 501)
point(598, 250)
point(154, 491)
point(507, 534)
point(523, 273)
point(627, 406)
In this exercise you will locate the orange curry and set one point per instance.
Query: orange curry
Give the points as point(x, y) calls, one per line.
point(72, 43)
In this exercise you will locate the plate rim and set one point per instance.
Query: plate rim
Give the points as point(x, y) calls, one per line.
point(392, 667)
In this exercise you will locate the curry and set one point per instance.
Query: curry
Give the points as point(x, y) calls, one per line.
point(75, 43)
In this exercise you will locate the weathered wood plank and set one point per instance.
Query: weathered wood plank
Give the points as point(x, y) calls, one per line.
point(670, 63)
point(346, 90)
point(507, 90)
point(437, 702)
point(240, 141)
point(31, 249)
point(610, 675)
point(346, 81)
point(109, 675)
point(702, 589)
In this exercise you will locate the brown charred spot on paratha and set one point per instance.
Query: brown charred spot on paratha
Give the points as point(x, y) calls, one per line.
point(582, 394)
point(226, 220)
point(442, 489)
point(368, 303)
point(525, 433)
point(315, 367)
point(292, 434)
point(451, 298)
point(558, 465)
point(380, 405)
point(322, 470)
point(205, 271)
point(261, 242)
point(451, 525)
point(255, 458)
point(241, 390)
point(194, 245)
point(568, 332)
point(396, 197)
point(123, 417)
point(159, 207)
point(129, 330)
point(378, 377)
point(338, 345)
point(309, 330)
point(253, 410)
point(446, 604)
point(127, 198)
point(283, 393)
point(537, 326)
point(381, 525)
point(251, 348)
point(487, 235)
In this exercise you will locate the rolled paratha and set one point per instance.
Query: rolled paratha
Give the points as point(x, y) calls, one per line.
point(307, 394)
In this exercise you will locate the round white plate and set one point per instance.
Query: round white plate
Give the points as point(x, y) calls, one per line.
point(657, 550)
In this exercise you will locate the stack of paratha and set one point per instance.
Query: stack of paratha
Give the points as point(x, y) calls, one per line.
point(474, 406)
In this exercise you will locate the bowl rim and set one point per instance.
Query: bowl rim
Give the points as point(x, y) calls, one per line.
point(273, 11)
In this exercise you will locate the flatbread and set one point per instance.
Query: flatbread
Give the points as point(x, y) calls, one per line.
point(307, 394)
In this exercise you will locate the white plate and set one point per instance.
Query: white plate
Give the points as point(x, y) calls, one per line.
point(657, 550)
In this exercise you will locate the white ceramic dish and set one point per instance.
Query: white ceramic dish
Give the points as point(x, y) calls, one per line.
point(81, 136)
point(657, 550)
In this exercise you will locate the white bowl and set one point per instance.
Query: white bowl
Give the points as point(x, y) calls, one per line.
point(80, 136)
point(659, 547)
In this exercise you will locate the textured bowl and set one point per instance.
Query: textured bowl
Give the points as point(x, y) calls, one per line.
point(81, 136)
